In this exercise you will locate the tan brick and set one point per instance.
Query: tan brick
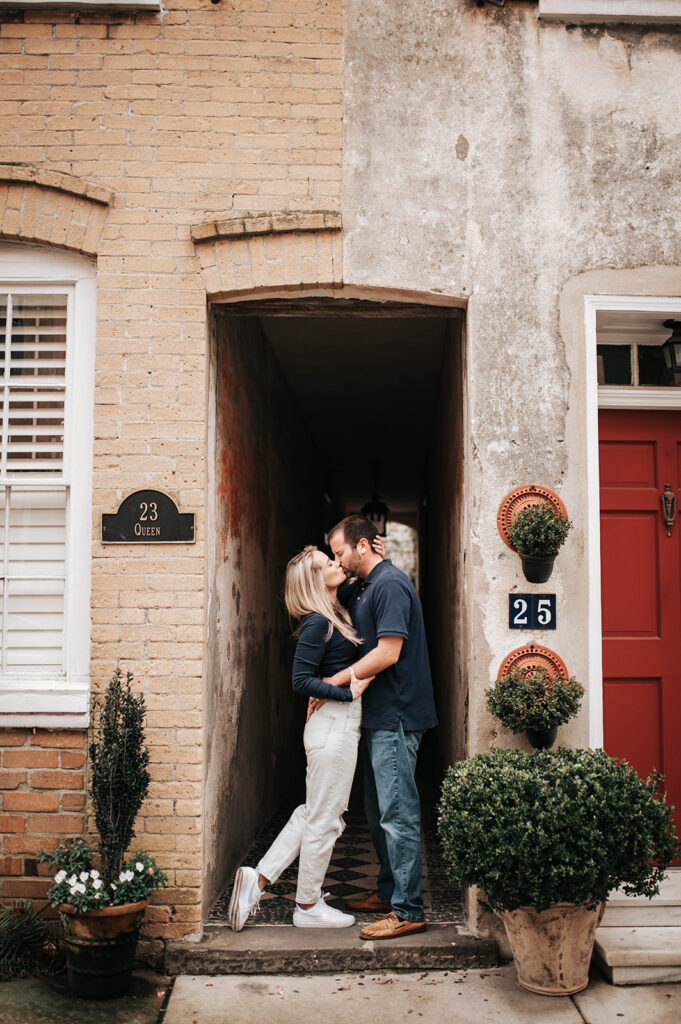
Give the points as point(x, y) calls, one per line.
point(57, 780)
point(31, 801)
point(30, 758)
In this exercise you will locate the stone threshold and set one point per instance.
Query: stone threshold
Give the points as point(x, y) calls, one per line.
point(282, 949)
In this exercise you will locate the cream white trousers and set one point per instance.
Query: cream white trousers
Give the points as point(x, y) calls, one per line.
point(331, 738)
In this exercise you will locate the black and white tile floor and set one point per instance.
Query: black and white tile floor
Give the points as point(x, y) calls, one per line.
point(353, 869)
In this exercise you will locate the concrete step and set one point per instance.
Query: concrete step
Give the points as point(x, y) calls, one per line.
point(287, 950)
point(639, 956)
point(664, 910)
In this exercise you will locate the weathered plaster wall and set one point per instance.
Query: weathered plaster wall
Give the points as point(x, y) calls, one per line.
point(444, 543)
point(491, 157)
point(268, 505)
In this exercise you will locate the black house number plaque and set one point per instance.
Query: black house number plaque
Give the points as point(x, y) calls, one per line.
point(531, 611)
point(148, 517)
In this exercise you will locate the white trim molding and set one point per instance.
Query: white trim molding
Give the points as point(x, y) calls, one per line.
point(644, 12)
point(609, 398)
point(51, 699)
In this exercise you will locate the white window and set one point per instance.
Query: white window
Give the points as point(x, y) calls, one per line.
point(47, 333)
point(651, 12)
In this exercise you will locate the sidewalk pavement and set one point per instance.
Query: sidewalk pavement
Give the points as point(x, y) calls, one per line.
point(455, 997)
point(430, 997)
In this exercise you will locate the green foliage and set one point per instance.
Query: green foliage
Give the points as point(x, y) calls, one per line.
point(539, 530)
point(138, 878)
point(25, 946)
point(534, 699)
point(564, 826)
point(118, 764)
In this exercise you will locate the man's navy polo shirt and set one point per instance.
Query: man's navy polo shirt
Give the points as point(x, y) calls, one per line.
point(386, 604)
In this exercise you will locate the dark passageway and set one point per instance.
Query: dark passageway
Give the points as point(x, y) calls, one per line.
point(309, 403)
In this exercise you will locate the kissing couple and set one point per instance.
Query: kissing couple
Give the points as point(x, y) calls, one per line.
point(362, 660)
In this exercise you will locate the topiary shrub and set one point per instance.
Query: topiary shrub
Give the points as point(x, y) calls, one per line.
point(534, 699)
point(539, 530)
point(564, 826)
point(119, 779)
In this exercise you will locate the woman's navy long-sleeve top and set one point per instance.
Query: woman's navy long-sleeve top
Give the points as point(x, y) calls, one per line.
point(321, 652)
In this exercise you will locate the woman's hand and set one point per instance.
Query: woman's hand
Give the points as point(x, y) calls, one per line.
point(358, 686)
point(378, 546)
point(313, 704)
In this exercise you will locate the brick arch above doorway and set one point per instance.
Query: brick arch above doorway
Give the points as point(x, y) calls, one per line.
point(278, 251)
point(51, 208)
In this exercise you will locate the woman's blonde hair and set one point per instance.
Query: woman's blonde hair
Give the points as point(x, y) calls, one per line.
point(305, 592)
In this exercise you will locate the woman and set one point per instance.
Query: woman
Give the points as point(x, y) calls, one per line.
point(326, 643)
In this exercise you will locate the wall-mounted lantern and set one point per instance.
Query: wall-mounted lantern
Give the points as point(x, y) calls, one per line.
point(671, 350)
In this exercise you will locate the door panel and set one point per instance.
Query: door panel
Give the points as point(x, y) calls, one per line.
point(641, 592)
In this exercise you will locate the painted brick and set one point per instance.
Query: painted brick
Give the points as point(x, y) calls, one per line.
point(123, 136)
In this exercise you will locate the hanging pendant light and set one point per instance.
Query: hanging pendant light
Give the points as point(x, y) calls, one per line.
point(376, 511)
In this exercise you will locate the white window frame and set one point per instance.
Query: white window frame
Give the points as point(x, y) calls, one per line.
point(605, 397)
point(63, 701)
point(644, 12)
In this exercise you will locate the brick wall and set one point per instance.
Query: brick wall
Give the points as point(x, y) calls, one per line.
point(41, 800)
point(186, 117)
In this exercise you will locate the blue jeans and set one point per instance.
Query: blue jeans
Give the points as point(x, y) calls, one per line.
point(391, 802)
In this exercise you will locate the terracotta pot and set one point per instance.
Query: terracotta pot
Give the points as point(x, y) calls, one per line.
point(100, 948)
point(552, 949)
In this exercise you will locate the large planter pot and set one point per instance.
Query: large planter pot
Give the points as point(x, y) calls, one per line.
point(537, 568)
point(100, 948)
point(552, 949)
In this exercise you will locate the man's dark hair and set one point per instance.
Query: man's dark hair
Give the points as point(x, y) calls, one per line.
point(355, 529)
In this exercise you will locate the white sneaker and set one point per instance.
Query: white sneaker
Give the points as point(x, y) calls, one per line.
point(245, 898)
point(321, 916)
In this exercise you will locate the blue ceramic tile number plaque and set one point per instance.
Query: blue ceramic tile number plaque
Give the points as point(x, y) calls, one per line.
point(531, 611)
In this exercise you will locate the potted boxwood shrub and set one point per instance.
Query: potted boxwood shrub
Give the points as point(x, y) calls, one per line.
point(537, 533)
point(535, 701)
point(100, 895)
point(547, 836)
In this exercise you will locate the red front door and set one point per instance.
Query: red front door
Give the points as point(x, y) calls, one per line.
point(639, 453)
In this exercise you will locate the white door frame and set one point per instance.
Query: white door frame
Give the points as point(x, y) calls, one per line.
point(610, 398)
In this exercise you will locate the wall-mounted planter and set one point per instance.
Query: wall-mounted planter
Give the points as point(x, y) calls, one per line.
point(527, 659)
point(536, 568)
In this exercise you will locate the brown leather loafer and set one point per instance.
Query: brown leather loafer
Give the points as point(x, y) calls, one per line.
point(391, 927)
point(370, 902)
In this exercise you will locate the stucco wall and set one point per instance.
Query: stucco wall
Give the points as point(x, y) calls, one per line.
point(491, 157)
point(268, 505)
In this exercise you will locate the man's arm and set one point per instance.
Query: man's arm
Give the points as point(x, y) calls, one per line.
point(385, 654)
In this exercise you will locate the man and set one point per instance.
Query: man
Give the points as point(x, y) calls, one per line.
point(397, 708)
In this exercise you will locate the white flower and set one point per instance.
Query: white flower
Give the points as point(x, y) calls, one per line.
point(121, 877)
point(97, 884)
point(73, 890)
point(94, 873)
point(72, 880)
point(139, 865)
point(59, 877)
point(98, 895)
point(113, 886)
point(84, 876)
point(79, 887)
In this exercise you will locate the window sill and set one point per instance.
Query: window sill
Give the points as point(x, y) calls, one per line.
point(93, 5)
point(44, 703)
point(643, 12)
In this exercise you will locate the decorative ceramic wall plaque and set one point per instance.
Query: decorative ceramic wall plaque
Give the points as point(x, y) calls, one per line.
point(533, 656)
point(521, 498)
